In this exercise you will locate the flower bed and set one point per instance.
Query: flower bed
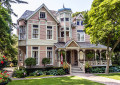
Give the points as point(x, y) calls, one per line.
point(4, 78)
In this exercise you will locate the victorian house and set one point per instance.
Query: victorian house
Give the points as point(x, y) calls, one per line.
point(45, 33)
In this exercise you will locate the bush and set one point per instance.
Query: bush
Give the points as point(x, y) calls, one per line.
point(20, 73)
point(3, 62)
point(38, 73)
point(60, 72)
point(53, 72)
point(30, 62)
point(4, 77)
point(45, 61)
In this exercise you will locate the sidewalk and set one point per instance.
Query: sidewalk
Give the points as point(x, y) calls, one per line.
point(106, 81)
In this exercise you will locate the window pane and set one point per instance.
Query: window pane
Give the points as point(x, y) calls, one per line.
point(62, 34)
point(82, 37)
point(42, 14)
point(35, 55)
point(81, 22)
point(49, 27)
point(67, 19)
point(35, 26)
point(35, 48)
point(62, 19)
point(78, 23)
point(78, 36)
point(49, 48)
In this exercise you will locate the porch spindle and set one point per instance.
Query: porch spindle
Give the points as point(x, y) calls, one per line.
point(95, 53)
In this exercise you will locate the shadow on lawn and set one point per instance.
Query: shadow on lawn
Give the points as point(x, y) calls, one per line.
point(70, 80)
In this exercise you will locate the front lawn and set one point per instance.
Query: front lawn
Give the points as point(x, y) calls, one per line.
point(70, 80)
point(111, 75)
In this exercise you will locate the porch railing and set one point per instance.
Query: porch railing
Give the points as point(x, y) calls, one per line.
point(99, 63)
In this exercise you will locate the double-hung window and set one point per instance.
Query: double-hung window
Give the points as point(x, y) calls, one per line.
point(49, 54)
point(42, 15)
point(35, 31)
point(49, 32)
point(79, 22)
point(35, 54)
point(22, 33)
point(80, 36)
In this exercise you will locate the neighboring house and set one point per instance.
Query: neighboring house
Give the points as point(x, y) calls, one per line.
point(44, 33)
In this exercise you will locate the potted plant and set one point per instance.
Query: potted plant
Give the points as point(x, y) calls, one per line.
point(30, 62)
point(87, 67)
point(66, 67)
point(45, 61)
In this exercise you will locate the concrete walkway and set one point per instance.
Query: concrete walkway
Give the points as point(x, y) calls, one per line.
point(103, 80)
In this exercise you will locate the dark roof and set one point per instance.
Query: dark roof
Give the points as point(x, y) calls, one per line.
point(81, 44)
point(27, 13)
point(64, 9)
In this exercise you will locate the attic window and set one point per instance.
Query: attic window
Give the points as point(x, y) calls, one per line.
point(42, 15)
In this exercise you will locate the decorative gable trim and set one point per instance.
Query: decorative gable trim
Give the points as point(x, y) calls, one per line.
point(72, 41)
point(43, 5)
point(79, 16)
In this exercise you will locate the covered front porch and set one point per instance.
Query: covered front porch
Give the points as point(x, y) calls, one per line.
point(78, 54)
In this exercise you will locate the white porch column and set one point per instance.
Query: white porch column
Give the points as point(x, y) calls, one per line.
point(84, 59)
point(100, 54)
point(59, 57)
point(95, 53)
point(78, 56)
point(65, 54)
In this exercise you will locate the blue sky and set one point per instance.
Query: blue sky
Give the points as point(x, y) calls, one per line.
point(75, 5)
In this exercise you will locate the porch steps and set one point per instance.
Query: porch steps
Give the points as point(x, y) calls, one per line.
point(76, 69)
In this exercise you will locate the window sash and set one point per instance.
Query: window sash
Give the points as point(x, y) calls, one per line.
point(49, 54)
point(42, 14)
point(81, 37)
point(49, 32)
point(35, 33)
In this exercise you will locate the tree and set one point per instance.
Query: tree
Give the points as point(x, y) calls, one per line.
point(102, 23)
point(30, 62)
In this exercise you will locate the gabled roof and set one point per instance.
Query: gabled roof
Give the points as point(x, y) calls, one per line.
point(43, 5)
point(69, 42)
point(79, 16)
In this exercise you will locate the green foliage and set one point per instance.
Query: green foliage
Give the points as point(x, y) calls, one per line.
point(77, 13)
point(45, 61)
point(30, 62)
point(20, 74)
point(3, 62)
point(90, 55)
point(102, 24)
point(38, 73)
point(102, 69)
point(87, 65)
point(53, 72)
point(61, 72)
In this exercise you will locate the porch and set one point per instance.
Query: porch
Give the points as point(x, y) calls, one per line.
point(78, 55)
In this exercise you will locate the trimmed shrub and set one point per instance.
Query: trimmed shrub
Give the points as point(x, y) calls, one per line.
point(45, 61)
point(19, 74)
point(30, 62)
point(60, 72)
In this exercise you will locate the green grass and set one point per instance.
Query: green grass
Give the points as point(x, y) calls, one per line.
point(38, 76)
point(111, 75)
point(71, 80)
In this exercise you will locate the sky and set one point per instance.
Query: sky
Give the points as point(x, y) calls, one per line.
point(75, 5)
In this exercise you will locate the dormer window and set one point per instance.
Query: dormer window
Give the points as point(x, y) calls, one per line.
point(80, 22)
point(42, 15)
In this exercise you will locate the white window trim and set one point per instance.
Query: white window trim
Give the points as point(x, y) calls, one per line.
point(80, 37)
point(38, 31)
point(52, 33)
point(38, 54)
point(45, 15)
point(52, 54)
point(79, 22)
